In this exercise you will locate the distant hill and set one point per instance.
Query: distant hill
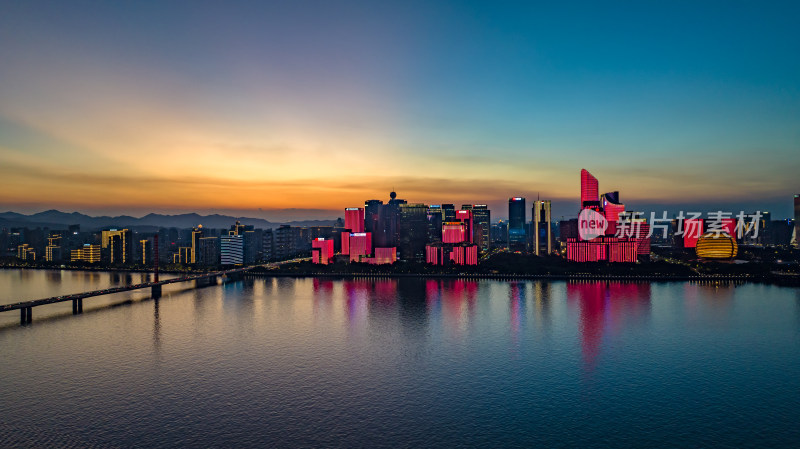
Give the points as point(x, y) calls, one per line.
point(55, 219)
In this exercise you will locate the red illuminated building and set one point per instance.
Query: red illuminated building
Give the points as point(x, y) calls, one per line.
point(322, 251)
point(383, 256)
point(589, 189)
point(447, 254)
point(465, 217)
point(354, 219)
point(456, 247)
point(360, 245)
point(627, 247)
point(692, 230)
point(453, 232)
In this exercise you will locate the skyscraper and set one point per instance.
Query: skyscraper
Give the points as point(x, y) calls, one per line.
point(117, 245)
point(589, 189)
point(517, 237)
point(231, 249)
point(197, 234)
point(354, 219)
point(435, 220)
point(797, 220)
point(372, 213)
point(412, 231)
point(541, 228)
point(481, 220)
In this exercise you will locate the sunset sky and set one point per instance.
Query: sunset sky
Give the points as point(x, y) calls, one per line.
point(298, 109)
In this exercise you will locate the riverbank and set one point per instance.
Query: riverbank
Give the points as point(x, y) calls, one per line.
point(776, 279)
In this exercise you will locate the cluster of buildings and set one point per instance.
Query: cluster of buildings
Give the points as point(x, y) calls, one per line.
point(383, 233)
point(607, 244)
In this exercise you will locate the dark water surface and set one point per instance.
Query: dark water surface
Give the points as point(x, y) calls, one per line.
point(409, 362)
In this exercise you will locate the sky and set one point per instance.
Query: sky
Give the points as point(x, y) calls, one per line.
point(295, 110)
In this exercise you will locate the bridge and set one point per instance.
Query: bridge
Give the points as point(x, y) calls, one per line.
point(203, 279)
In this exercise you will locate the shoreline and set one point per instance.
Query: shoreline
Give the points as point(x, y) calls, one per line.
point(774, 279)
point(787, 280)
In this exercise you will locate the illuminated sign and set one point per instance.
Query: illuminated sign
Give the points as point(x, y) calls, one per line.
point(591, 224)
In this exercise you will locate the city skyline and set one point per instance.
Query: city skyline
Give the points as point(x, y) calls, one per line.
point(297, 111)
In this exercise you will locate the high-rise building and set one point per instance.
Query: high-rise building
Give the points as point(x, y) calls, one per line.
point(237, 228)
point(322, 251)
point(435, 220)
point(541, 229)
point(117, 245)
point(25, 252)
point(87, 253)
point(448, 212)
point(385, 229)
point(252, 245)
point(465, 217)
point(589, 189)
point(454, 232)
point(146, 248)
point(372, 214)
point(231, 249)
point(197, 234)
point(797, 219)
point(267, 245)
point(359, 246)
point(354, 219)
point(481, 231)
point(517, 237)
point(606, 246)
point(285, 246)
point(208, 251)
point(412, 231)
point(53, 248)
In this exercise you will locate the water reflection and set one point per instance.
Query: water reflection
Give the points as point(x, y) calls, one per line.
point(605, 309)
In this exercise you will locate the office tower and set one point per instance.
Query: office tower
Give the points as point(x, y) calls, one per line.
point(540, 228)
point(146, 248)
point(465, 217)
point(448, 212)
point(435, 220)
point(385, 231)
point(354, 219)
point(589, 190)
point(499, 233)
point(197, 234)
point(322, 251)
point(413, 231)
point(611, 206)
point(231, 249)
point(481, 221)
point(267, 245)
point(117, 245)
point(359, 245)
point(208, 251)
point(796, 219)
point(372, 213)
point(517, 237)
point(383, 256)
point(26, 253)
point(53, 248)
point(87, 253)
point(454, 232)
point(237, 228)
point(252, 245)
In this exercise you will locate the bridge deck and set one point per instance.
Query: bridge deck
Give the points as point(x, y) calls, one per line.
point(108, 291)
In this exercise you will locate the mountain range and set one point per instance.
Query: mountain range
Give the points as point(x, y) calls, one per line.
point(55, 219)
